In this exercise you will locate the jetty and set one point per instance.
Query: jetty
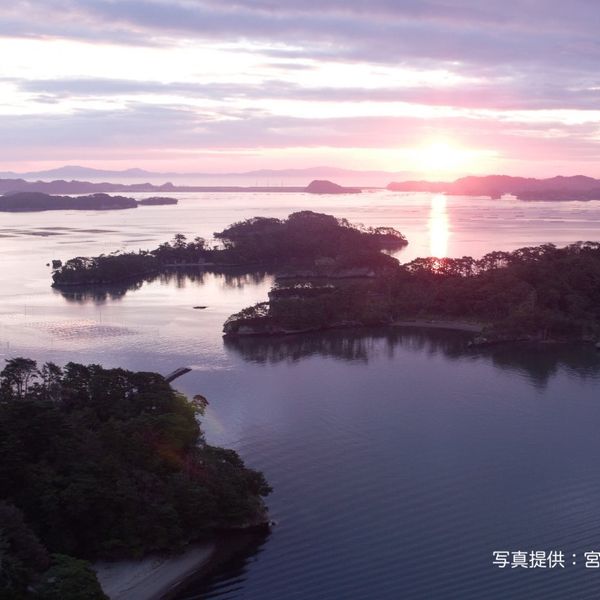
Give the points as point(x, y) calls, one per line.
point(177, 373)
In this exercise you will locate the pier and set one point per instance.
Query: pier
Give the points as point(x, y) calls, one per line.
point(177, 373)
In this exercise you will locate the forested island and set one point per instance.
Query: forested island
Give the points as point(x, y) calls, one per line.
point(305, 242)
point(577, 187)
point(105, 463)
point(38, 201)
point(157, 201)
point(538, 293)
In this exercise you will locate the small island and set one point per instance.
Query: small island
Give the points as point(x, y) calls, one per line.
point(322, 186)
point(541, 293)
point(111, 464)
point(157, 201)
point(305, 243)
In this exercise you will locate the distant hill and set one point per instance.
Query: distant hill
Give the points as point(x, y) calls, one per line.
point(577, 187)
point(256, 178)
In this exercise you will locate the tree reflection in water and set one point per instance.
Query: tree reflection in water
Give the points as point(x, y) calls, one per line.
point(538, 362)
point(178, 277)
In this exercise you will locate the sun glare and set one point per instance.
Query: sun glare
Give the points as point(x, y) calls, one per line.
point(438, 227)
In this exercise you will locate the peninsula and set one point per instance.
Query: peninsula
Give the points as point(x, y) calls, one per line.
point(111, 464)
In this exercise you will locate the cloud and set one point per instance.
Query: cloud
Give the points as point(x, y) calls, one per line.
point(492, 95)
point(470, 32)
point(170, 128)
point(516, 65)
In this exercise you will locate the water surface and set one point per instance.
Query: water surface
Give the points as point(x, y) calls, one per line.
point(400, 459)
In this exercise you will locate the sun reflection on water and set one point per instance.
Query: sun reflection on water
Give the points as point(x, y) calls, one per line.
point(439, 230)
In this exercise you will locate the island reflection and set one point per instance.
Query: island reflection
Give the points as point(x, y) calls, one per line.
point(538, 365)
point(178, 278)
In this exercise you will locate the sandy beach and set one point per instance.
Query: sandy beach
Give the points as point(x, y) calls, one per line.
point(153, 577)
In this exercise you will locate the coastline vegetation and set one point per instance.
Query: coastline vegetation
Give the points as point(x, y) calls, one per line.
point(105, 463)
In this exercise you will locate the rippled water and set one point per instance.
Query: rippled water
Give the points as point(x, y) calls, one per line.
point(400, 459)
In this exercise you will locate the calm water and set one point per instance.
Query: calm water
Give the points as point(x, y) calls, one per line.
point(400, 459)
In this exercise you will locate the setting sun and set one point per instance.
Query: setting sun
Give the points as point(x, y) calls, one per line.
point(445, 157)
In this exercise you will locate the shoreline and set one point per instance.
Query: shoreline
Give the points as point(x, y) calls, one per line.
point(417, 323)
point(155, 577)
point(162, 576)
point(432, 324)
point(477, 329)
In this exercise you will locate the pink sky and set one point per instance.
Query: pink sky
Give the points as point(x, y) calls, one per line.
point(430, 88)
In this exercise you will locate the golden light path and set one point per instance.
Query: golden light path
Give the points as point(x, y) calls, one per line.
point(439, 229)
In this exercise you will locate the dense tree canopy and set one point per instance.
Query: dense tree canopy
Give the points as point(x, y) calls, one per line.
point(108, 462)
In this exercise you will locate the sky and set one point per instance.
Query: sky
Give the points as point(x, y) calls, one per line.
point(430, 88)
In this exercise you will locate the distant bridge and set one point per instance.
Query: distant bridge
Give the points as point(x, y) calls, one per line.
point(177, 373)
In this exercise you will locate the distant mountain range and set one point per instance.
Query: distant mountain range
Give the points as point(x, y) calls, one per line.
point(260, 178)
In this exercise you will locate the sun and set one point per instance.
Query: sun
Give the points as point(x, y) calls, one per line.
point(441, 156)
